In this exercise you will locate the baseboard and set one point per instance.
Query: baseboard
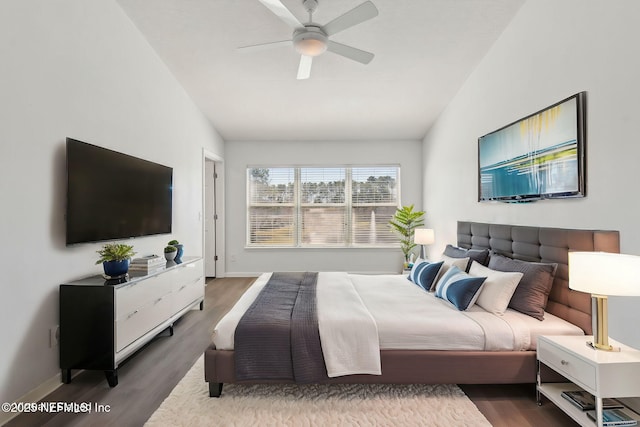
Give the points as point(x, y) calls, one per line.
point(35, 395)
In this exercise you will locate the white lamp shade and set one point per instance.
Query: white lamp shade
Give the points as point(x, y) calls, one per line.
point(604, 273)
point(424, 236)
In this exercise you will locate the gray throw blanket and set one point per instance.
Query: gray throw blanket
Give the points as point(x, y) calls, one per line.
point(278, 338)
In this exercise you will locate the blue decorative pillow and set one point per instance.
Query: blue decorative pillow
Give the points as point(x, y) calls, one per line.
point(424, 273)
point(459, 288)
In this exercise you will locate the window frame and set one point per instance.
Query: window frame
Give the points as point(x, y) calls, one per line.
point(298, 206)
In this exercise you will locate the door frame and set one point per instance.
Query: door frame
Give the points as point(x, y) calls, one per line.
point(208, 156)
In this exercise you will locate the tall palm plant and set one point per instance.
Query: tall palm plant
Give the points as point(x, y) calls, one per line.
point(404, 223)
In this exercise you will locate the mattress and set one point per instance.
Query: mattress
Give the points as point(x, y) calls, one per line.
point(407, 317)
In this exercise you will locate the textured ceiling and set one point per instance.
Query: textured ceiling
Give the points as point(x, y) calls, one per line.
point(424, 50)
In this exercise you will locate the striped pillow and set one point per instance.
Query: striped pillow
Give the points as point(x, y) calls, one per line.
point(424, 273)
point(459, 288)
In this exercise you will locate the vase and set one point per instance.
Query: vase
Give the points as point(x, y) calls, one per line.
point(116, 268)
point(170, 256)
point(179, 253)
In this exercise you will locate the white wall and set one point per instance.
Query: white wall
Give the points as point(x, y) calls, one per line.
point(551, 50)
point(240, 154)
point(80, 69)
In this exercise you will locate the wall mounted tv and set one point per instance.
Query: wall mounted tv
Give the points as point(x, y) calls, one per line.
point(541, 156)
point(112, 195)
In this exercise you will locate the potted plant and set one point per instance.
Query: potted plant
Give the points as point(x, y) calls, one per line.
point(404, 223)
point(115, 258)
point(179, 247)
point(170, 252)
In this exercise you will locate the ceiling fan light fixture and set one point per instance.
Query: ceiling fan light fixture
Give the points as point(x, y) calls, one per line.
point(310, 41)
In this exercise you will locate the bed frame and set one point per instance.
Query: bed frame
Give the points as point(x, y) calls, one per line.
point(473, 367)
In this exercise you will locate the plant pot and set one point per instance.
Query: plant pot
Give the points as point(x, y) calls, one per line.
point(116, 268)
point(169, 256)
point(179, 253)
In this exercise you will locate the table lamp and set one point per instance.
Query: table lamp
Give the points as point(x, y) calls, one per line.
point(423, 236)
point(602, 274)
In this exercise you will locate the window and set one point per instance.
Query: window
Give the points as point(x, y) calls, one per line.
point(322, 206)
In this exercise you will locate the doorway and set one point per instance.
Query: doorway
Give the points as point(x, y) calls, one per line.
point(213, 218)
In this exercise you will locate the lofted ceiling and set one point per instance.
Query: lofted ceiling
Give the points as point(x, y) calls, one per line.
point(424, 50)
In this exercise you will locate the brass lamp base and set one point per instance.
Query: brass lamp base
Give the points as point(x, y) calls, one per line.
point(600, 324)
point(601, 347)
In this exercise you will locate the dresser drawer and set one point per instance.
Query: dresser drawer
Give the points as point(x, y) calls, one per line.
point(134, 297)
point(568, 365)
point(140, 321)
point(187, 293)
point(188, 274)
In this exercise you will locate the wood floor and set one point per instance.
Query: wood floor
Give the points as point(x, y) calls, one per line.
point(148, 377)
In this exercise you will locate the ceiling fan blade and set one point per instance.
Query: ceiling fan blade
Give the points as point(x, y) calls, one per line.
point(264, 46)
point(358, 55)
point(304, 69)
point(355, 16)
point(282, 12)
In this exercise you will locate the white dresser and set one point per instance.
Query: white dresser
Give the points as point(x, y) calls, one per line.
point(102, 324)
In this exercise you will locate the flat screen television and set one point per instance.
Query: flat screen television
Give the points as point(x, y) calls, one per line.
point(111, 195)
point(541, 156)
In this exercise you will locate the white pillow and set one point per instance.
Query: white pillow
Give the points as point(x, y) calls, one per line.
point(449, 262)
point(498, 288)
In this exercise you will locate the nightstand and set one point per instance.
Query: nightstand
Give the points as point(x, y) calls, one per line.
point(601, 373)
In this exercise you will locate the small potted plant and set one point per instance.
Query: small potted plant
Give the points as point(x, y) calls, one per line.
point(115, 258)
point(180, 249)
point(170, 252)
point(404, 223)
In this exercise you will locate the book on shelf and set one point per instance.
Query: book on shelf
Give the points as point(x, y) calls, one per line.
point(150, 256)
point(146, 270)
point(149, 269)
point(614, 417)
point(148, 261)
point(585, 401)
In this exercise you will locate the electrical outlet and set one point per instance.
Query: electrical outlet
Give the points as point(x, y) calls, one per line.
point(54, 336)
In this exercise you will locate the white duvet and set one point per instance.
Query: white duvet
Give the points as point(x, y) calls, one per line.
point(360, 314)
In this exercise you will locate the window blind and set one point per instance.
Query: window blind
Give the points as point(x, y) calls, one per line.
point(321, 206)
point(374, 201)
point(272, 214)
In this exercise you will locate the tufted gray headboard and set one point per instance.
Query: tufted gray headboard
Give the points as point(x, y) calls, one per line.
point(544, 244)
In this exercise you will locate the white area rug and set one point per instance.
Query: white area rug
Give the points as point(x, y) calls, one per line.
point(189, 404)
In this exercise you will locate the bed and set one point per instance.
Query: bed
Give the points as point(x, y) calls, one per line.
point(409, 366)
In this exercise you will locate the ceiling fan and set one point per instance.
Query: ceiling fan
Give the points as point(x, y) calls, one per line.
point(312, 39)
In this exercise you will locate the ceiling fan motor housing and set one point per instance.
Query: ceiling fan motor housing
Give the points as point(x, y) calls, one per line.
point(310, 40)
